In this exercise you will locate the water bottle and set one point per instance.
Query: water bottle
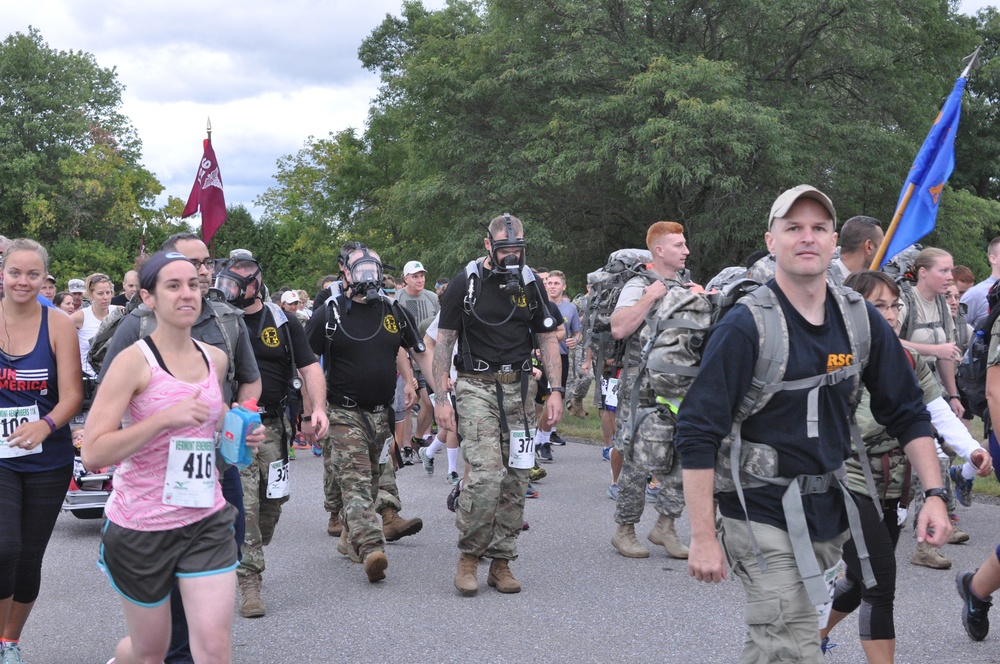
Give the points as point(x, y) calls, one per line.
point(236, 424)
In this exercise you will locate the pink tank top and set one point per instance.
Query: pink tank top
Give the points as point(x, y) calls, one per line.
point(137, 500)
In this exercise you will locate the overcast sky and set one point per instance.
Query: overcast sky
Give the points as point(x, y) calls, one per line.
point(270, 74)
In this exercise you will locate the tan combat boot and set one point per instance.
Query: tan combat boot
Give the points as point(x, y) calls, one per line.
point(251, 605)
point(395, 527)
point(625, 541)
point(334, 527)
point(501, 578)
point(375, 566)
point(576, 408)
point(344, 547)
point(664, 534)
point(465, 577)
point(958, 536)
point(928, 556)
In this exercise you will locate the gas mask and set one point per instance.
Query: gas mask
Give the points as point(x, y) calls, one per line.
point(509, 267)
point(234, 286)
point(366, 277)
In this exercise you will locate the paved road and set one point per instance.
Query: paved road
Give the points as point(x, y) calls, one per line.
point(581, 602)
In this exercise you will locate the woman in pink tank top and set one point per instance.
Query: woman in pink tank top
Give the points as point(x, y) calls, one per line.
point(166, 516)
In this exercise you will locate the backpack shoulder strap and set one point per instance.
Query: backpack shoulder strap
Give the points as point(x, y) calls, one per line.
point(772, 353)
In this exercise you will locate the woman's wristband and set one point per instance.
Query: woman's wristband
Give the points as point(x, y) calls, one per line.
point(52, 425)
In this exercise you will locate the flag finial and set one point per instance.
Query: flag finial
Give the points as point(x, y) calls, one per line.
point(208, 124)
point(971, 62)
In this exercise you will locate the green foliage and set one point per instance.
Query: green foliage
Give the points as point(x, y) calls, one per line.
point(963, 220)
point(68, 159)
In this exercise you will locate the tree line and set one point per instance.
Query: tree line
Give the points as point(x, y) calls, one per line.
point(588, 119)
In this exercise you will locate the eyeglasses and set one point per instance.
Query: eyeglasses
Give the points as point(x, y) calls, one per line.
point(198, 264)
point(884, 308)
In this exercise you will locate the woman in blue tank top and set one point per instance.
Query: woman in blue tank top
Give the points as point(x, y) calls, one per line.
point(40, 391)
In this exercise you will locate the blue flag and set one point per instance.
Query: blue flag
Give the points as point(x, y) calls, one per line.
point(929, 173)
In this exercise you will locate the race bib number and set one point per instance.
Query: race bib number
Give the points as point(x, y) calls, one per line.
point(900, 515)
point(522, 449)
point(277, 479)
point(10, 420)
point(611, 396)
point(830, 576)
point(384, 456)
point(190, 473)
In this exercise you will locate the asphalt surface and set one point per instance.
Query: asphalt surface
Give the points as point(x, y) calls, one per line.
point(582, 602)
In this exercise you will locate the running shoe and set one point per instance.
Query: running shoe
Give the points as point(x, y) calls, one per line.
point(606, 452)
point(317, 450)
point(556, 439)
point(532, 492)
point(524, 525)
point(652, 490)
point(826, 646)
point(407, 456)
point(545, 452)
point(11, 654)
point(963, 487)
point(300, 443)
point(291, 453)
point(427, 460)
point(453, 478)
point(613, 491)
point(975, 611)
point(453, 497)
point(536, 473)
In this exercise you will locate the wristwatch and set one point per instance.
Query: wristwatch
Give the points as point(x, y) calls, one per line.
point(307, 418)
point(560, 390)
point(939, 492)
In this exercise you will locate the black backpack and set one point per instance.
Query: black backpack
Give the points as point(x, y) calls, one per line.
point(972, 370)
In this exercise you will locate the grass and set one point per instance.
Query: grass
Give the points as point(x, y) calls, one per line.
point(589, 428)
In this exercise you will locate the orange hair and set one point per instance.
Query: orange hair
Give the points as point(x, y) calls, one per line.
point(659, 229)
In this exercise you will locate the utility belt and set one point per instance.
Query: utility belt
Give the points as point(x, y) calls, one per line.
point(342, 401)
point(501, 373)
point(271, 412)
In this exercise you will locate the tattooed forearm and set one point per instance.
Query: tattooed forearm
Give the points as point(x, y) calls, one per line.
point(442, 355)
point(550, 358)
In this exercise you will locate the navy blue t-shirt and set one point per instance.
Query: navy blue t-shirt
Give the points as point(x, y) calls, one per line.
point(706, 414)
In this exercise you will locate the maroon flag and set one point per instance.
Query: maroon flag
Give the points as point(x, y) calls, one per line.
point(206, 194)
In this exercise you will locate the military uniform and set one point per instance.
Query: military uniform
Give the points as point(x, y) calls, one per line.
point(494, 347)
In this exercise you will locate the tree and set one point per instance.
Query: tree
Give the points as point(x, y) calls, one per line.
point(69, 161)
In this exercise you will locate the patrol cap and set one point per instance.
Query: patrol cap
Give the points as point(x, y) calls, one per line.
point(412, 268)
point(76, 286)
point(785, 201)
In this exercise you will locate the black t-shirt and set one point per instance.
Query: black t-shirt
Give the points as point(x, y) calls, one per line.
point(499, 330)
point(269, 343)
point(727, 367)
point(119, 300)
point(362, 368)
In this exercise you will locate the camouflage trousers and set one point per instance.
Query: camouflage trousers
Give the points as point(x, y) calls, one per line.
point(579, 383)
point(333, 500)
point(918, 493)
point(357, 438)
point(490, 509)
point(262, 513)
point(649, 449)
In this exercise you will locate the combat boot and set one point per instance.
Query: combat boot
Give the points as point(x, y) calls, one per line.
point(375, 566)
point(664, 534)
point(334, 527)
point(958, 536)
point(625, 541)
point(344, 547)
point(928, 556)
point(251, 605)
point(465, 577)
point(576, 408)
point(395, 527)
point(501, 578)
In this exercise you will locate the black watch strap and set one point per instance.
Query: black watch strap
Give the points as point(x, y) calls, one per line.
point(939, 492)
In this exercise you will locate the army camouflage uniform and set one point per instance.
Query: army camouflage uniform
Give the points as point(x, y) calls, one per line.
point(357, 438)
point(579, 383)
point(491, 506)
point(262, 513)
point(388, 492)
point(650, 450)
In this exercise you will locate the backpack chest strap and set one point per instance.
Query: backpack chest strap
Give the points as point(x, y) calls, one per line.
point(813, 384)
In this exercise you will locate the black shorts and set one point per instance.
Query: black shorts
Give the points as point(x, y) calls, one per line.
point(606, 376)
point(141, 565)
point(543, 384)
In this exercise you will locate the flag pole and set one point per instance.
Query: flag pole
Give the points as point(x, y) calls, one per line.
point(208, 128)
point(971, 62)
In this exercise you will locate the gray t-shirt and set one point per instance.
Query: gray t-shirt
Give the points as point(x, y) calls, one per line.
point(423, 305)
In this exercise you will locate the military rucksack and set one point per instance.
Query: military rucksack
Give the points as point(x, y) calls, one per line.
point(971, 377)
